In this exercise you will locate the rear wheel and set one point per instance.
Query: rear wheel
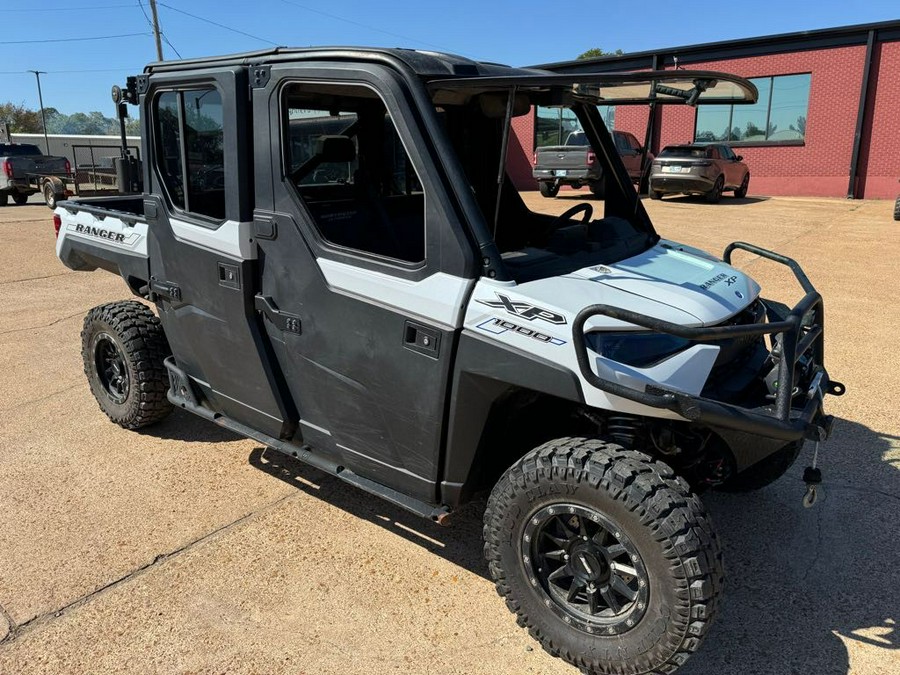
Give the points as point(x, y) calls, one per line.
point(20, 198)
point(50, 195)
point(123, 348)
point(606, 556)
point(656, 194)
point(548, 189)
point(714, 195)
point(598, 188)
point(741, 192)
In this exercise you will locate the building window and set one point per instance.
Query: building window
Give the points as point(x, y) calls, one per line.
point(552, 126)
point(190, 150)
point(779, 116)
point(345, 159)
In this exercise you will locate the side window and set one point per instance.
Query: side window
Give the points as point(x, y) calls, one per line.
point(622, 143)
point(726, 152)
point(712, 152)
point(190, 149)
point(344, 157)
point(633, 143)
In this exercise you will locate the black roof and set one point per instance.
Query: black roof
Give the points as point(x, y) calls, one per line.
point(422, 63)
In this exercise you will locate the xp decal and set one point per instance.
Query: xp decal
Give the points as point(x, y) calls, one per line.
point(524, 310)
point(500, 326)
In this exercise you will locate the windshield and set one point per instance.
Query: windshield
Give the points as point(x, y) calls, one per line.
point(18, 150)
point(534, 244)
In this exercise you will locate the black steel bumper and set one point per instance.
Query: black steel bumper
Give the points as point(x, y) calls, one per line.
point(797, 411)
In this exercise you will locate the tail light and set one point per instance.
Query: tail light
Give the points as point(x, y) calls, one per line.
point(534, 158)
point(57, 223)
point(7, 168)
point(68, 168)
point(591, 157)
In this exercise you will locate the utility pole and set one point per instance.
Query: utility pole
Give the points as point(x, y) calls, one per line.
point(159, 54)
point(37, 74)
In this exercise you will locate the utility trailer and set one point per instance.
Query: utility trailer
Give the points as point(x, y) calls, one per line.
point(341, 270)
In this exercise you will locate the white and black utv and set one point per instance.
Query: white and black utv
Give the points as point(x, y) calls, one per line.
point(342, 271)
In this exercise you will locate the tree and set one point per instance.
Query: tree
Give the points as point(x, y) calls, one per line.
point(21, 119)
point(800, 127)
point(596, 52)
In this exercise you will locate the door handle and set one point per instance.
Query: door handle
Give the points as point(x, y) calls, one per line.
point(290, 323)
point(421, 339)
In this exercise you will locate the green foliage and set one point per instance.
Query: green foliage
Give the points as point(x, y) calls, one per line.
point(596, 52)
point(21, 119)
point(25, 121)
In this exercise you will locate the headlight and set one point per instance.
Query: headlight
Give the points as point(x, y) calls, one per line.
point(636, 349)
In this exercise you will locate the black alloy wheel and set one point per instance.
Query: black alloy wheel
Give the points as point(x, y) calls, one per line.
point(586, 567)
point(112, 371)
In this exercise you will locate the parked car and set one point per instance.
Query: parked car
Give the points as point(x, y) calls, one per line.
point(575, 163)
point(699, 169)
point(24, 169)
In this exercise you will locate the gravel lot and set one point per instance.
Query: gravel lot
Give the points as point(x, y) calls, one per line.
point(181, 549)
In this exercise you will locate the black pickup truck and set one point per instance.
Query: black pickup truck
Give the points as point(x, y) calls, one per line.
point(342, 271)
point(575, 163)
point(25, 170)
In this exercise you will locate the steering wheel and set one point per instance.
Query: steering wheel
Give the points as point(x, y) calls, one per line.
point(566, 215)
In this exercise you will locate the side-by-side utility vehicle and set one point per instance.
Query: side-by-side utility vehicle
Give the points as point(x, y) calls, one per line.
point(342, 271)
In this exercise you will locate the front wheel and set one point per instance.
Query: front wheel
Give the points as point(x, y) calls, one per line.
point(123, 347)
point(607, 557)
point(548, 189)
point(20, 198)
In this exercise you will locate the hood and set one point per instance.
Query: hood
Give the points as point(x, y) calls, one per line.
point(709, 290)
point(669, 281)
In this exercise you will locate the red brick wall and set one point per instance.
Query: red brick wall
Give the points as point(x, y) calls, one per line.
point(821, 167)
point(880, 149)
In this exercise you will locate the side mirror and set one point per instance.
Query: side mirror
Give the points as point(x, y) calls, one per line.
point(740, 158)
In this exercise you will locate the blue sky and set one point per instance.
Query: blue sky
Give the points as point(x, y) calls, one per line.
point(80, 73)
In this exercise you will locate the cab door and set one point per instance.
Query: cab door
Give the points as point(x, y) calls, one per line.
point(364, 269)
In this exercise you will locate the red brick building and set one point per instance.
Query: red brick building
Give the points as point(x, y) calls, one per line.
point(827, 122)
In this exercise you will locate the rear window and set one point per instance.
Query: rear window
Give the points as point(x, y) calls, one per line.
point(19, 149)
point(683, 152)
point(577, 138)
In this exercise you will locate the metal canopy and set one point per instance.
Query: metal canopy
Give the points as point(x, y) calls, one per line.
point(690, 87)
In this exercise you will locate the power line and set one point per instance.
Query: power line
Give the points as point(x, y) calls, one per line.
point(81, 39)
point(69, 9)
point(214, 23)
point(362, 25)
point(87, 70)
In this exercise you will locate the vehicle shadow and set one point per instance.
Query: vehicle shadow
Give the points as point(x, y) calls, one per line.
point(806, 587)
point(459, 542)
point(800, 582)
point(184, 426)
point(727, 200)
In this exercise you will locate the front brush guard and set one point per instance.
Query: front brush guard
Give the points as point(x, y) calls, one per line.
point(784, 421)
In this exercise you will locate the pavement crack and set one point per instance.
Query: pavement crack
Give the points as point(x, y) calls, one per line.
point(52, 323)
point(46, 276)
point(17, 630)
point(42, 398)
point(9, 621)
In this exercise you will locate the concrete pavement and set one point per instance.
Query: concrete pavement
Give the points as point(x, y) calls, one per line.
point(184, 549)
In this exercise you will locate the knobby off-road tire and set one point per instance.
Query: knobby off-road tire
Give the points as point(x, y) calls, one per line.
point(123, 348)
point(649, 540)
point(764, 472)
